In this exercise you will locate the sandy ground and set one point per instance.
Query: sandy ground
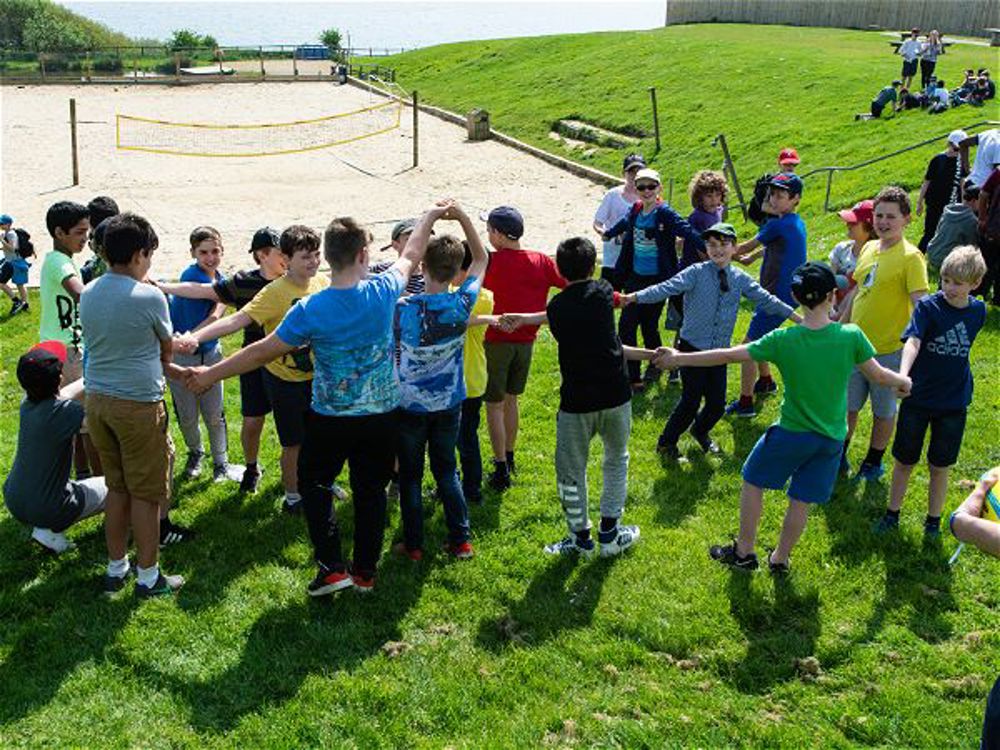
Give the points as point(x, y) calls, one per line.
point(370, 179)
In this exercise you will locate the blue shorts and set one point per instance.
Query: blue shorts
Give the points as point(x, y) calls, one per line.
point(762, 324)
point(20, 267)
point(811, 461)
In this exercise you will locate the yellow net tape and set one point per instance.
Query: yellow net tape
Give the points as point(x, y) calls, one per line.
point(260, 139)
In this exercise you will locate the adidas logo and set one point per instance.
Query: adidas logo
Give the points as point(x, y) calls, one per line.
point(953, 343)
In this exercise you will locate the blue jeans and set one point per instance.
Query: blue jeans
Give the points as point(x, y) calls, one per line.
point(437, 433)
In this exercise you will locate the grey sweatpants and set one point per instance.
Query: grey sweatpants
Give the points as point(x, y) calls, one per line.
point(187, 405)
point(573, 435)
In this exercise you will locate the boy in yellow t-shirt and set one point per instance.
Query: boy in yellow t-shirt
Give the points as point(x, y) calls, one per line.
point(287, 379)
point(474, 365)
point(891, 276)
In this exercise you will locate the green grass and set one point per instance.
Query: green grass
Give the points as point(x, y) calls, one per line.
point(661, 648)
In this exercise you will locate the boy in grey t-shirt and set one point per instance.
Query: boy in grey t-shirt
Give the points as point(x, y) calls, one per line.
point(38, 490)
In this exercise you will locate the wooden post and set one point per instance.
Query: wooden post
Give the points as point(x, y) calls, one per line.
point(656, 117)
point(416, 139)
point(731, 169)
point(41, 64)
point(177, 66)
point(295, 63)
point(829, 186)
point(88, 67)
point(670, 191)
point(72, 137)
point(260, 51)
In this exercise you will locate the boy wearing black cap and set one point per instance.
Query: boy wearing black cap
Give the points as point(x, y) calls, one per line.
point(816, 360)
point(784, 249)
point(712, 292)
point(520, 281)
point(38, 490)
point(237, 291)
point(400, 234)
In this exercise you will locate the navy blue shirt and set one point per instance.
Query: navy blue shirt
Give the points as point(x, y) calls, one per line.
point(186, 314)
point(942, 378)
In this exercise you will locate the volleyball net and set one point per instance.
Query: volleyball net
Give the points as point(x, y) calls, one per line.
point(261, 139)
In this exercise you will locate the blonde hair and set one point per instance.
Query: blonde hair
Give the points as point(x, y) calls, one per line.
point(964, 264)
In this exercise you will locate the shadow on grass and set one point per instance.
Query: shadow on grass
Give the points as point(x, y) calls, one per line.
point(778, 633)
point(677, 491)
point(549, 606)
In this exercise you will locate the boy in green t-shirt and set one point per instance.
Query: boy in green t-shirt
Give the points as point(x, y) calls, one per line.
point(815, 359)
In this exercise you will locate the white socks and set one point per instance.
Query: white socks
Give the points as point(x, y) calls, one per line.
point(147, 576)
point(292, 498)
point(118, 568)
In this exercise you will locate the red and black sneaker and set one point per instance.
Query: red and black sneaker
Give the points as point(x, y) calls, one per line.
point(460, 551)
point(327, 581)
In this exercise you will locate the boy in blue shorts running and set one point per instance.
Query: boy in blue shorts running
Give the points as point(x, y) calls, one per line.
point(816, 360)
point(784, 241)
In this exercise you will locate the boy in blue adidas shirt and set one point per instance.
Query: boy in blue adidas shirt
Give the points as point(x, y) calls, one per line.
point(430, 328)
point(784, 249)
point(188, 315)
point(936, 356)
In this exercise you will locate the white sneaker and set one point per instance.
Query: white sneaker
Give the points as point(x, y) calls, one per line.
point(624, 537)
point(52, 541)
point(570, 546)
point(228, 473)
point(339, 493)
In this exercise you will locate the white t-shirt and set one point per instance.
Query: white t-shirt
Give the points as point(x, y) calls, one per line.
point(910, 50)
point(842, 258)
point(613, 209)
point(10, 237)
point(987, 154)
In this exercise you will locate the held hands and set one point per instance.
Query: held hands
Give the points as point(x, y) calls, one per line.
point(903, 388)
point(509, 322)
point(194, 379)
point(664, 358)
point(446, 208)
point(626, 299)
point(185, 343)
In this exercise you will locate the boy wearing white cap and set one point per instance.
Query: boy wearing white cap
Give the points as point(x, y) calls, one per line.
point(942, 185)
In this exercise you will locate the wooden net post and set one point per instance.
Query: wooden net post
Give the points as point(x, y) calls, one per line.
point(416, 131)
point(72, 138)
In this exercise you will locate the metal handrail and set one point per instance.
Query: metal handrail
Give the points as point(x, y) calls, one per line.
point(831, 171)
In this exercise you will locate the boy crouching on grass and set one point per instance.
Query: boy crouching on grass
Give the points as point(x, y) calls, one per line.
point(816, 360)
point(936, 356)
point(595, 398)
point(355, 393)
point(430, 328)
point(38, 490)
point(712, 292)
point(127, 326)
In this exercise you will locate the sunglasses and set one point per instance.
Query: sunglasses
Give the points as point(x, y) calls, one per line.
point(647, 186)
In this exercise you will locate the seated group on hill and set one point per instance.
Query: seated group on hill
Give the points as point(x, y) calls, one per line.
point(376, 365)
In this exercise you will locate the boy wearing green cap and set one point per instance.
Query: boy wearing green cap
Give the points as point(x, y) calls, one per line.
point(712, 291)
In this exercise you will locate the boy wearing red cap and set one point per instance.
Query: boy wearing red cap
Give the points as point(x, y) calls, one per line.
point(38, 490)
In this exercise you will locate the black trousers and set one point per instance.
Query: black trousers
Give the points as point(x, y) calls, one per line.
point(368, 445)
point(926, 72)
point(469, 451)
point(634, 317)
point(698, 384)
point(990, 288)
point(932, 217)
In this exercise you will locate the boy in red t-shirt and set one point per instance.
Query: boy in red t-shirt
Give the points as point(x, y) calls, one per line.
point(520, 281)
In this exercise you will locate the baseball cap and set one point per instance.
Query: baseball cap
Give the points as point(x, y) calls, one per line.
point(403, 227)
point(790, 182)
point(633, 160)
point(266, 237)
point(861, 211)
point(720, 229)
point(649, 174)
point(39, 370)
point(6, 219)
point(508, 221)
point(813, 281)
point(954, 138)
point(788, 156)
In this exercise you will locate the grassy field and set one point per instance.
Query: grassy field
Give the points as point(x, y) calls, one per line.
point(869, 643)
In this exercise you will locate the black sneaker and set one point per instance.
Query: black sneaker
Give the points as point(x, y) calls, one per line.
point(292, 509)
point(674, 378)
point(669, 451)
point(707, 444)
point(171, 533)
point(765, 387)
point(164, 586)
point(18, 306)
point(327, 581)
point(726, 554)
point(776, 568)
point(250, 481)
point(111, 585)
point(192, 467)
point(500, 478)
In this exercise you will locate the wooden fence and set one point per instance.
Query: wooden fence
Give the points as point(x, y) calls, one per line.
point(961, 17)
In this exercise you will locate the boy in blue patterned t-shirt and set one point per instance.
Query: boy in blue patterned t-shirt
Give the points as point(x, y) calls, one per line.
point(937, 340)
point(430, 328)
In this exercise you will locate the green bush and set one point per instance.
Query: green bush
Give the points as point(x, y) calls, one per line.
point(44, 26)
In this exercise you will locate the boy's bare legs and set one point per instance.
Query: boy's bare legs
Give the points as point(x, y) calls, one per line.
point(510, 422)
point(250, 432)
point(900, 480)
point(881, 432)
point(116, 519)
point(146, 531)
point(290, 468)
point(22, 292)
point(496, 424)
point(751, 506)
point(763, 369)
point(938, 489)
point(791, 529)
point(852, 423)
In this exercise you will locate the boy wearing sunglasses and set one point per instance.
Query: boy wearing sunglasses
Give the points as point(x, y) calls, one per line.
point(712, 292)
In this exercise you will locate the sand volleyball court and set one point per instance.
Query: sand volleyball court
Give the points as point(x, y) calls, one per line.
point(371, 178)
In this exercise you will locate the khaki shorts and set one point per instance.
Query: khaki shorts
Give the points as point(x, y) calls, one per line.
point(133, 440)
point(507, 367)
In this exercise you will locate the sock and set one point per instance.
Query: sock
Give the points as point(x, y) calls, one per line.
point(118, 568)
point(252, 467)
point(932, 522)
point(608, 524)
point(510, 460)
point(291, 498)
point(893, 514)
point(501, 466)
point(582, 536)
point(874, 457)
point(765, 380)
point(147, 576)
point(746, 400)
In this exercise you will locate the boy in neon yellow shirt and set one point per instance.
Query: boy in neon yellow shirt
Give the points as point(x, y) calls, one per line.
point(891, 276)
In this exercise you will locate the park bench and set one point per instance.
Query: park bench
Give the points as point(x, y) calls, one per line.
point(994, 37)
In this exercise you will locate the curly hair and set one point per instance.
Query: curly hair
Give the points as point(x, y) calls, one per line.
point(704, 182)
point(894, 194)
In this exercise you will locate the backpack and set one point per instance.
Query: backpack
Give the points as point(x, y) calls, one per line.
point(25, 248)
point(755, 209)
